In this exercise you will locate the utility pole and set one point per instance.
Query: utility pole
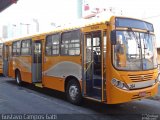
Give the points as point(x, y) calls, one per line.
point(37, 24)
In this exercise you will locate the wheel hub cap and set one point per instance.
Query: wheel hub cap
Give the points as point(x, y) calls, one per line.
point(73, 92)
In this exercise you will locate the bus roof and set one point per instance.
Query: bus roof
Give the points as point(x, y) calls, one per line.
point(83, 23)
point(75, 25)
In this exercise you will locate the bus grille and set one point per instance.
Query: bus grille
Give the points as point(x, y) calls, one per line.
point(139, 97)
point(141, 77)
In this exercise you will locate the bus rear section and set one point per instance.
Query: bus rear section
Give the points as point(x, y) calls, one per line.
point(1, 58)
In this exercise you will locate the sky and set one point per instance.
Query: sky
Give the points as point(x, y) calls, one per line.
point(39, 9)
point(48, 11)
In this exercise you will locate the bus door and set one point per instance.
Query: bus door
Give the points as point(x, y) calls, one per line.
point(10, 63)
point(93, 65)
point(6, 60)
point(37, 61)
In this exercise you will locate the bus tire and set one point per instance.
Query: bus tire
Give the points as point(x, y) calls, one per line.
point(73, 92)
point(18, 78)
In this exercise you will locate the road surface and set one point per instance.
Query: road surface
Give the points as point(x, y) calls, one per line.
point(31, 102)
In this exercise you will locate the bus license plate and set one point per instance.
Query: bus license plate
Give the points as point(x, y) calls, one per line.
point(142, 94)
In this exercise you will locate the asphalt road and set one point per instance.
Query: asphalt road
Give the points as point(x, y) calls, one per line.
point(44, 103)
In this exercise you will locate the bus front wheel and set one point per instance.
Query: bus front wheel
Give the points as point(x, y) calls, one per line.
point(73, 92)
point(18, 78)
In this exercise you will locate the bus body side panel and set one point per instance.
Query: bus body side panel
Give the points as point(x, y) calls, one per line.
point(23, 64)
point(57, 68)
point(10, 63)
point(10, 69)
point(26, 73)
point(1, 66)
point(55, 83)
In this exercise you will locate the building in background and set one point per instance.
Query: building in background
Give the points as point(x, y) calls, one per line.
point(41, 20)
point(5, 31)
point(94, 9)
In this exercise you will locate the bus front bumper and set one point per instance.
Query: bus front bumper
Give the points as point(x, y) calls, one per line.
point(117, 95)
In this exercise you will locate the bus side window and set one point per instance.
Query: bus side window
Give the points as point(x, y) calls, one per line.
point(70, 44)
point(52, 44)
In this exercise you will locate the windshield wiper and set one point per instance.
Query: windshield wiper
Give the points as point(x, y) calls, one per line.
point(135, 36)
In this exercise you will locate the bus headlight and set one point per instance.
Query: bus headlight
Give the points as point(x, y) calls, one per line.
point(119, 84)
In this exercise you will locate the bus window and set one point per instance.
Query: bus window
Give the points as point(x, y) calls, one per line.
point(26, 47)
point(70, 43)
point(48, 46)
point(52, 44)
point(16, 48)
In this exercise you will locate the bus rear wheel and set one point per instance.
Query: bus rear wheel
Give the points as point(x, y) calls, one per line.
point(18, 78)
point(73, 92)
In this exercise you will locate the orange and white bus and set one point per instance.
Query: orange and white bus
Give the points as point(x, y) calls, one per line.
point(111, 62)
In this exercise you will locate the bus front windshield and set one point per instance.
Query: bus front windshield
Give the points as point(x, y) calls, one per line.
point(134, 51)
